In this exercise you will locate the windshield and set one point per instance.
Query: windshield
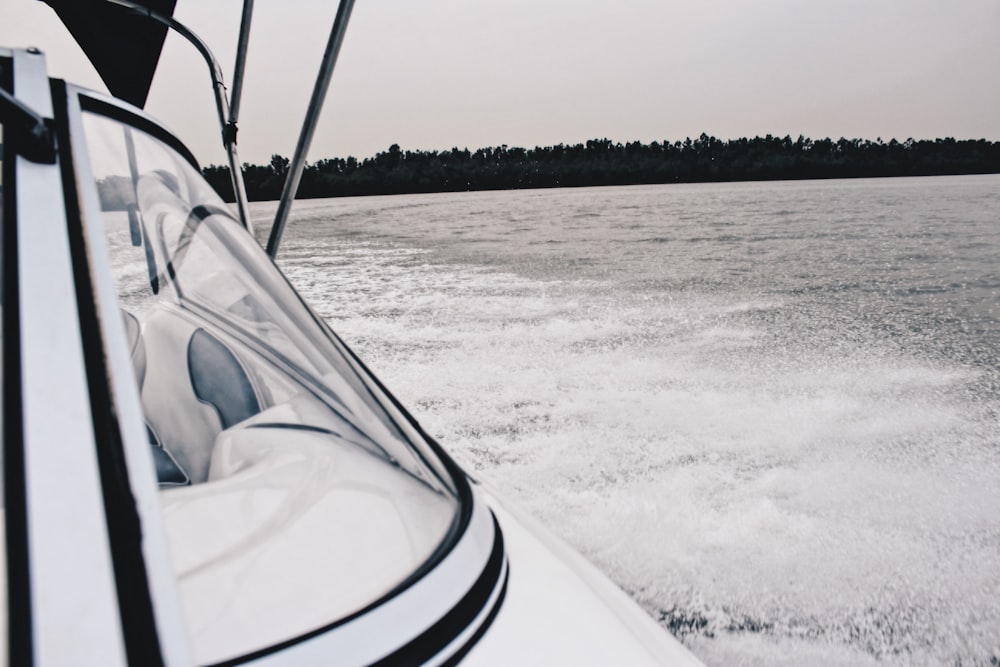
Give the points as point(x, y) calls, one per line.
point(293, 493)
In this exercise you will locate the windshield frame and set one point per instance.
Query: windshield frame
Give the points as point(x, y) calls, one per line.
point(471, 552)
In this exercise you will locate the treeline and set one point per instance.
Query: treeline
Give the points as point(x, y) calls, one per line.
point(604, 162)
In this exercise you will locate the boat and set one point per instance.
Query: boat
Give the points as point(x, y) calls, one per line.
point(196, 468)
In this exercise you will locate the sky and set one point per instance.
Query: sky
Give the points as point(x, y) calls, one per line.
point(437, 74)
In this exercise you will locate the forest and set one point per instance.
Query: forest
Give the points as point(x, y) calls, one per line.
point(604, 162)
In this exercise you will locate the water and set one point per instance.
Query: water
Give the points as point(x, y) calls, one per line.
point(769, 411)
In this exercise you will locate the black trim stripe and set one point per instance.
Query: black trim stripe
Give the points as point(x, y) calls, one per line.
point(142, 644)
point(433, 640)
point(139, 122)
point(455, 658)
point(448, 627)
point(19, 624)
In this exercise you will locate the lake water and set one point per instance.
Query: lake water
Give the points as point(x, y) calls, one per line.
point(769, 411)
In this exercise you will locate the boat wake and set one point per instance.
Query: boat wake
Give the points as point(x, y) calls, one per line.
point(775, 481)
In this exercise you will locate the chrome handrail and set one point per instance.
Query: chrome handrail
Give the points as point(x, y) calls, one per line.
point(228, 114)
point(221, 101)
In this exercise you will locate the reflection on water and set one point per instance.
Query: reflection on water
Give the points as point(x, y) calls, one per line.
point(768, 411)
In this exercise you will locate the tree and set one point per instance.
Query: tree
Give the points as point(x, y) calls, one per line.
point(604, 162)
point(279, 165)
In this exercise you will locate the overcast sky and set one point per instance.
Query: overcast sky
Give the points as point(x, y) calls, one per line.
point(440, 73)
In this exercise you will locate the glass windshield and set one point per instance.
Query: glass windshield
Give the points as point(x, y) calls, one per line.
point(293, 493)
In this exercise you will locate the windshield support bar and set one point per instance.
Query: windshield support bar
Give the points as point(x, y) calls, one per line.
point(309, 124)
point(221, 102)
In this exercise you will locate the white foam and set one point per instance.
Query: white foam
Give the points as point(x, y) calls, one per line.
point(740, 481)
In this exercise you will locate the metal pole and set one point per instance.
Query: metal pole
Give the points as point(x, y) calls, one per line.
point(239, 187)
point(230, 129)
point(309, 124)
point(229, 139)
point(241, 59)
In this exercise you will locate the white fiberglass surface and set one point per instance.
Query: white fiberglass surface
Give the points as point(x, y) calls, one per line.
point(3, 510)
point(292, 498)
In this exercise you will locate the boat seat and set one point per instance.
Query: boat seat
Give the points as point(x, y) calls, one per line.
point(197, 385)
point(219, 379)
point(168, 473)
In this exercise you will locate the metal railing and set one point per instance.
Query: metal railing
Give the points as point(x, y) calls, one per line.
point(298, 163)
point(227, 120)
point(229, 112)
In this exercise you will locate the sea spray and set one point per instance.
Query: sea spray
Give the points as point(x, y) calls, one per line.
point(768, 411)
